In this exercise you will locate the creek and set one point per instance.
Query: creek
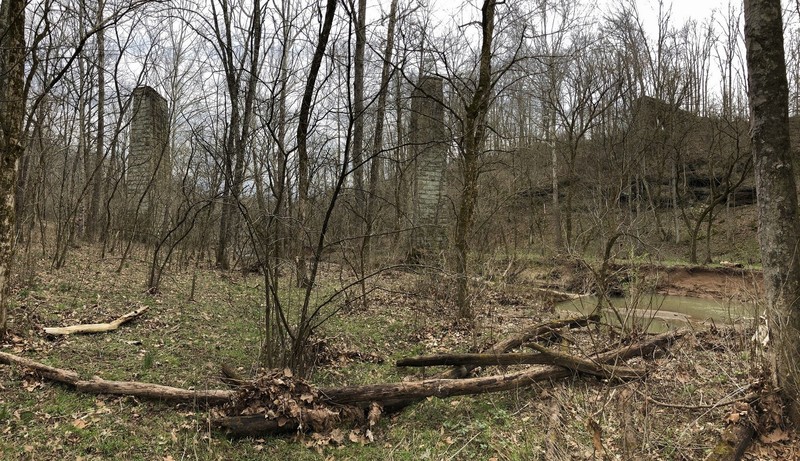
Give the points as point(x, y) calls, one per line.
point(659, 313)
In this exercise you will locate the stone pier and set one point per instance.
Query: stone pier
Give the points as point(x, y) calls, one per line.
point(429, 142)
point(149, 172)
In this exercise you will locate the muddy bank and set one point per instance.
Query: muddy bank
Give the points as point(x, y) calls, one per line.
point(720, 283)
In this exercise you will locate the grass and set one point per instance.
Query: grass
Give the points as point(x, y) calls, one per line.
point(183, 344)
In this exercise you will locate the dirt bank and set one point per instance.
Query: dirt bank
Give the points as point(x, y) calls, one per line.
point(719, 283)
point(711, 282)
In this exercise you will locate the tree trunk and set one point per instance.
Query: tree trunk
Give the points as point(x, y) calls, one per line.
point(93, 217)
point(12, 113)
point(303, 165)
point(377, 142)
point(474, 134)
point(401, 181)
point(779, 229)
point(358, 105)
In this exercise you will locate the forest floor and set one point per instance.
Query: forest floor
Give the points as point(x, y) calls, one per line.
point(677, 412)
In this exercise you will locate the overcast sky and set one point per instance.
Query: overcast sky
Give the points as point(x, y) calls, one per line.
point(682, 10)
point(648, 9)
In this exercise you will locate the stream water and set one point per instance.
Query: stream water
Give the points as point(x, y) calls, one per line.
point(659, 313)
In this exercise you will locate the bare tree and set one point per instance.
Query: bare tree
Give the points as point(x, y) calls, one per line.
point(377, 142)
point(303, 165)
point(471, 146)
point(241, 78)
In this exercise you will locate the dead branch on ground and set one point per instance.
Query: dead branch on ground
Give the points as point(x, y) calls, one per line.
point(96, 327)
point(386, 395)
point(537, 333)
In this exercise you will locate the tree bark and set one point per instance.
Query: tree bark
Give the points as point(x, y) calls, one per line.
point(12, 113)
point(154, 391)
point(93, 216)
point(240, 117)
point(544, 357)
point(255, 426)
point(59, 375)
point(471, 145)
point(358, 105)
point(779, 230)
point(734, 442)
point(96, 327)
point(303, 165)
point(134, 388)
point(377, 142)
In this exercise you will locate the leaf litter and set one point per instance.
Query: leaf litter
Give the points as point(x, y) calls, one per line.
point(292, 402)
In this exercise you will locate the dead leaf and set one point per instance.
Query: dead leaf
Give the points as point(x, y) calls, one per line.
point(778, 435)
point(79, 423)
point(337, 436)
point(597, 433)
point(374, 416)
point(30, 383)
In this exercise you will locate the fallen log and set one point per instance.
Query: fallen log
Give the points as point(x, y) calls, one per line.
point(133, 388)
point(254, 425)
point(412, 391)
point(739, 434)
point(154, 391)
point(481, 360)
point(544, 357)
point(441, 388)
point(734, 442)
point(536, 333)
point(53, 374)
point(591, 367)
point(386, 395)
point(540, 332)
point(96, 327)
point(399, 395)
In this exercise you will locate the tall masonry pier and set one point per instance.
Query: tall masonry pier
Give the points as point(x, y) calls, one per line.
point(149, 171)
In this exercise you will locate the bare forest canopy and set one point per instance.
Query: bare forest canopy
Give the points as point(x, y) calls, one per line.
point(594, 126)
point(271, 136)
